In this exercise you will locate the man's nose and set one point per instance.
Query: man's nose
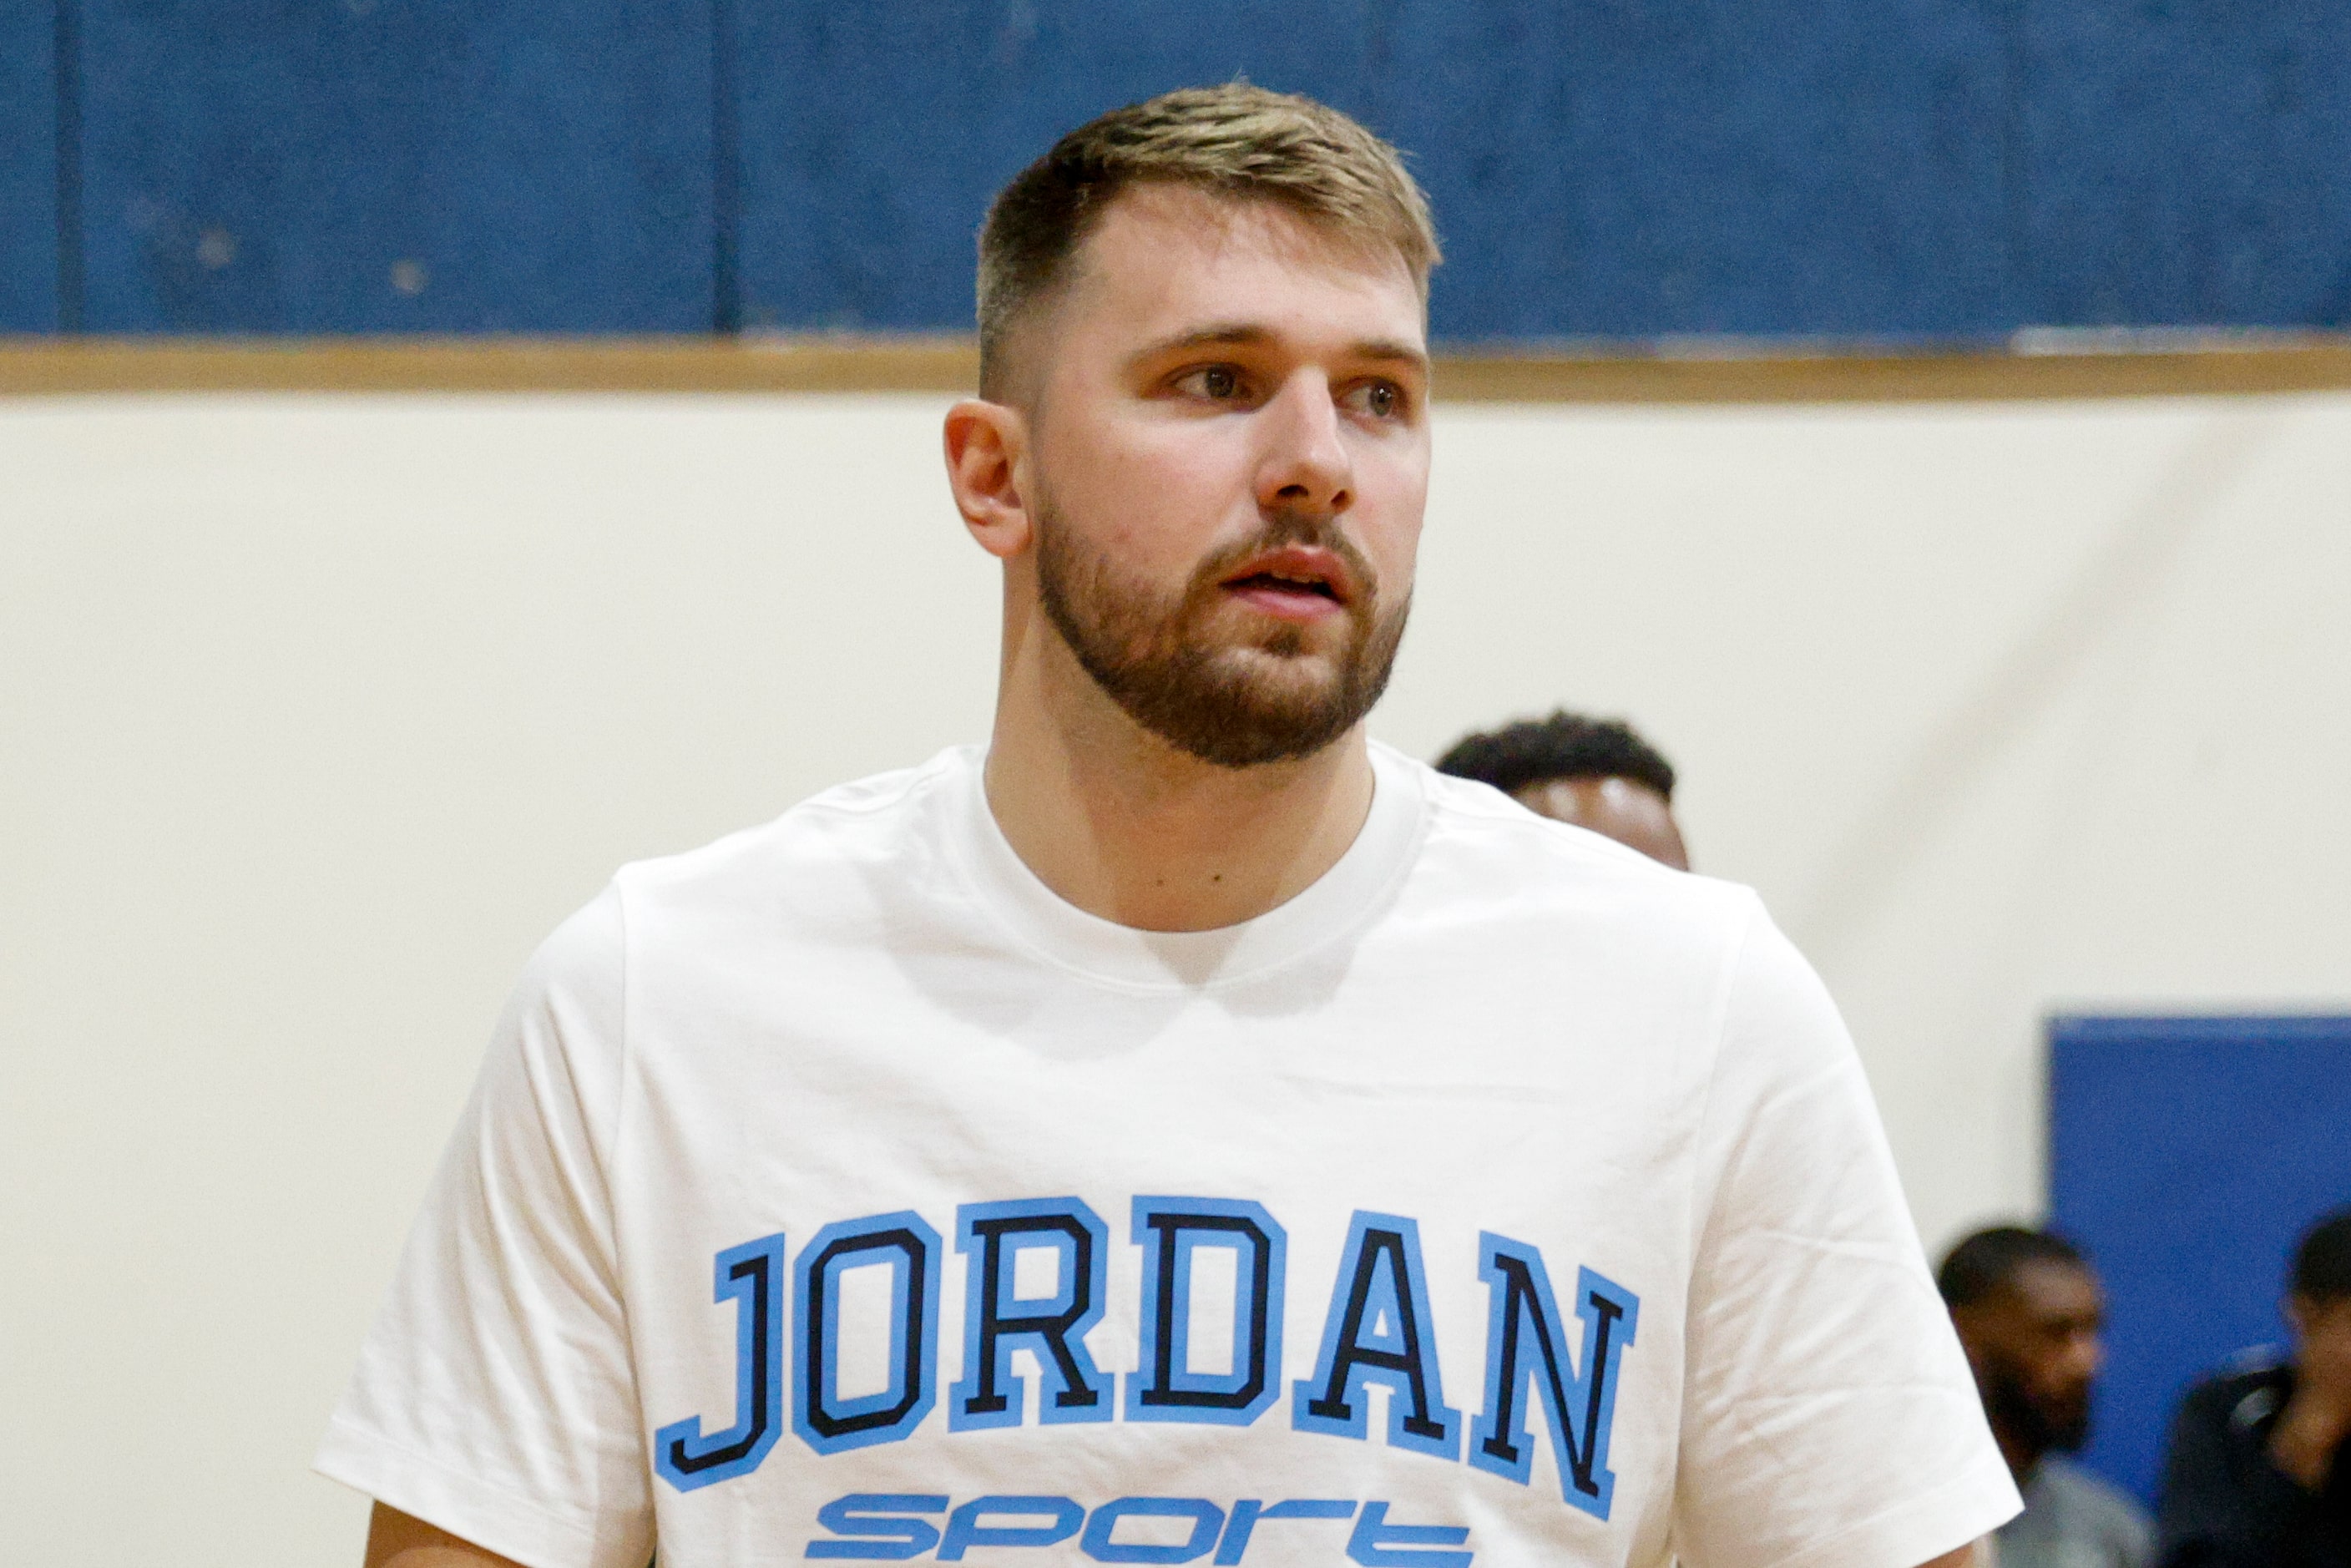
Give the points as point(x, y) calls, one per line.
point(1303, 464)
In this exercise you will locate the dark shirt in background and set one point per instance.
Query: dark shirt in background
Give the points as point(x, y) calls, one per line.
point(2226, 1505)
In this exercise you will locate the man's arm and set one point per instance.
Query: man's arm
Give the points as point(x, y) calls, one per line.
point(2220, 1507)
point(1809, 1293)
point(496, 1396)
point(395, 1539)
point(2311, 1430)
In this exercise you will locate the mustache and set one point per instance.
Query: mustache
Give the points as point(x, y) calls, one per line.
point(1289, 525)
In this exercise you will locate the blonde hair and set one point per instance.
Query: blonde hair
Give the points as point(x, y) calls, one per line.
point(1239, 141)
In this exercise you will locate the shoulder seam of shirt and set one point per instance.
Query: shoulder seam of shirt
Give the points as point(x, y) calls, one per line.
point(624, 1048)
point(910, 779)
point(1727, 982)
point(821, 804)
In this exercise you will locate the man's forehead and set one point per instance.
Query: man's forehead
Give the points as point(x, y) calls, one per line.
point(1401, 353)
point(1173, 258)
point(2050, 1285)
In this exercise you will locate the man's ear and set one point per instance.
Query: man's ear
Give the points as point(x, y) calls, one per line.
point(985, 443)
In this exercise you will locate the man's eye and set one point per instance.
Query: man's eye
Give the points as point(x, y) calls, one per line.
point(1220, 382)
point(1380, 400)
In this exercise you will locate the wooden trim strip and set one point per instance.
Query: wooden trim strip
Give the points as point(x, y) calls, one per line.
point(54, 367)
point(1895, 378)
point(485, 365)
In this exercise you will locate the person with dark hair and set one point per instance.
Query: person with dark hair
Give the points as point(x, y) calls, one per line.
point(2028, 1312)
point(2259, 1471)
point(1595, 773)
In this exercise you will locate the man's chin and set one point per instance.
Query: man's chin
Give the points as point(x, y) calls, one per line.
point(1331, 642)
point(1302, 677)
point(1246, 710)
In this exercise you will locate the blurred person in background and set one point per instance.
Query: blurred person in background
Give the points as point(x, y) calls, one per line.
point(1593, 773)
point(2260, 1472)
point(2029, 1314)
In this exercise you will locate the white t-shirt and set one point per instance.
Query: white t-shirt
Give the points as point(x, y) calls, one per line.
point(838, 1192)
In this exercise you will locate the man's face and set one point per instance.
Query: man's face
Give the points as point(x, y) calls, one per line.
point(2322, 1334)
point(2037, 1349)
point(1623, 809)
point(1230, 460)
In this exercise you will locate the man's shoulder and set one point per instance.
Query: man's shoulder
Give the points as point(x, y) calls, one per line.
point(2243, 1392)
point(813, 871)
point(863, 822)
point(2092, 1496)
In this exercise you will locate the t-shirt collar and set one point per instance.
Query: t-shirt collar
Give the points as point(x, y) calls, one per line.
point(1346, 896)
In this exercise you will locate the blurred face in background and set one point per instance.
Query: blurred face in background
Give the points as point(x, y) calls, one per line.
point(1230, 460)
point(2322, 1341)
point(2036, 1346)
point(1622, 808)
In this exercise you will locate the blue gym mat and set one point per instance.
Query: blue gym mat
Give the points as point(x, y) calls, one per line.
point(2187, 1155)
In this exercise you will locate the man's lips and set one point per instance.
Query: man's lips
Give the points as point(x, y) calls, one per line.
point(1295, 582)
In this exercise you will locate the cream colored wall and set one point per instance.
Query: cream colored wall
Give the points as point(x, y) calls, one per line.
point(318, 712)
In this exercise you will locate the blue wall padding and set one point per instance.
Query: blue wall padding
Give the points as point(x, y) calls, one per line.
point(2188, 160)
point(1628, 169)
point(874, 134)
point(2188, 1156)
point(29, 170)
point(542, 165)
point(1597, 169)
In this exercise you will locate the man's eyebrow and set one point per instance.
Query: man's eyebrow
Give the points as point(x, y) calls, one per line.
point(1235, 334)
point(1246, 334)
point(1391, 351)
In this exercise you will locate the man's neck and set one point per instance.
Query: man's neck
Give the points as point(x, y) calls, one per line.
point(1126, 827)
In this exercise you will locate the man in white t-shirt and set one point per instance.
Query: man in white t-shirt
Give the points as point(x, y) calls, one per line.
point(1181, 1132)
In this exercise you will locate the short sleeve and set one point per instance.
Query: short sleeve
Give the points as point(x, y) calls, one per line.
point(1830, 1421)
point(494, 1397)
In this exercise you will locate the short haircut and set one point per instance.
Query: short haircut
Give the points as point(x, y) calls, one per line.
point(2322, 1263)
point(1564, 745)
point(1986, 1261)
point(1239, 141)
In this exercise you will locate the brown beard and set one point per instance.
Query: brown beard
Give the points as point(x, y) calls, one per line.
point(1153, 654)
point(2042, 1419)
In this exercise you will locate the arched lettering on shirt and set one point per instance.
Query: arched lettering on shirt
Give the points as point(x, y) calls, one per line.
point(1379, 1331)
point(1173, 1232)
point(1526, 1343)
point(825, 1419)
point(752, 1277)
point(994, 1238)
